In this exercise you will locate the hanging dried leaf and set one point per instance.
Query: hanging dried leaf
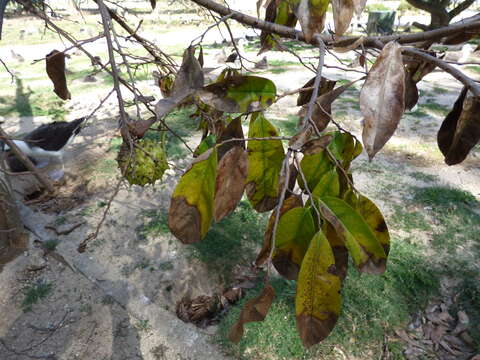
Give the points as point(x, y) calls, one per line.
point(359, 5)
point(460, 133)
point(200, 57)
point(279, 12)
point(55, 62)
point(290, 203)
point(239, 94)
point(342, 15)
point(311, 14)
point(364, 247)
point(191, 207)
point(326, 85)
point(255, 309)
point(318, 301)
point(294, 231)
point(231, 176)
point(265, 158)
point(232, 131)
point(411, 91)
point(153, 3)
point(189, 78)
point(382, 99)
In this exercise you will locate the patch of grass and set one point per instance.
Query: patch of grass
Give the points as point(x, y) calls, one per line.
point(428, 178)
point(418, 114)
point(35, 293)
point(371, 305)
point(288, 126)
point(233, 240)
point(183, 125)
point(435, 107)
point(143, 325)
point(439, 90)
point(155, 223)
point(408, 220)
point(50, 244)
point(278, 70)
point(282, 62)
point(474, 68)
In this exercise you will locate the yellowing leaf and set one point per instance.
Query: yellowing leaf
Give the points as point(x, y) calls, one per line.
point(265, 158)
point(311, 14)
point(279, 12)
point(232, 131)
point(191, 207)
point(382, 99)
point(231, 176)
point(239, 94)
point(294, 232)
point(314, 165)
point(374, 218)
point(329, 185)
point(318, 301)
point(255, 309)
point(342, 15)
point(365, 249)
point(290, 203)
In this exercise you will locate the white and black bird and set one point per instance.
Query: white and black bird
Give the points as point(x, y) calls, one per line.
point(44, 145)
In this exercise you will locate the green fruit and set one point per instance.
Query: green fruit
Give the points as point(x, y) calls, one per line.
point(142, 167)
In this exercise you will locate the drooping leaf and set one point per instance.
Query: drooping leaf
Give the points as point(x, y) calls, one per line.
point(411, 91)
point(382, 99)
point(290, 203)
point(153, 3)
point(200, 57)
point(192, 204)
point(231, 176)
point(329, 185)
point(255, 309)
point(460, 131)
point(265, 158)
point(375, 220)
point(189, 78)
point(365, 249)
point(419, 69)
point(340, 251)
point(311, 15)
point(318, 301)
point(326, 85)
point(55, 63)
point(294, 231)
point(315, 162)
point(342, 15)
point(345, 148)
point(279, 12)
point(239, 94)
point(232, 131)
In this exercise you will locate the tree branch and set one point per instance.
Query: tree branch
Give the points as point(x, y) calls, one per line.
point(460, 7)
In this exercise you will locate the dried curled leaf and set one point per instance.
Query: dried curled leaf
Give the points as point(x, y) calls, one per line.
point(191, 207)
point(232, 131)
point(382, 99)
point(326, 85)
point(231, 176)
point(317, 301)
point(265, 158)
point(460, 131)
point(342, 15)
point(255, 309)
point(55, 62)
point(239, 94)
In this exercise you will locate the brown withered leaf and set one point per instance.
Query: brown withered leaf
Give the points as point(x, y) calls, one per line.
point(447, 129)
point(189, 78)
point(153, 3)
point(322, 111)
point(232, 131)
point(326, 85)
point(230, 183)
point(342, 15)
point(200, 57)
point(411, 91)
point(255, 309)
point(382, 99)
point(55, 62)
point(316, 145)
point(466, 130)
point(288, 204)
point(266, 42)
point(340, 251)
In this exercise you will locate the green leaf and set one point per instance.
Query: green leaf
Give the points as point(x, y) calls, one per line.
point(239, 94)
point(205, 144)
point(365, 249)
point(294, 231)
point(314, 166)
point(265, 158)
point(311, 14)
point(279, 12)
point(318, 301)
point(329, 185)
point(345, 148)
point(191, 208)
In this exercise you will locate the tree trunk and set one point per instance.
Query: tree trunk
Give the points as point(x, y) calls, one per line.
point(13, 239)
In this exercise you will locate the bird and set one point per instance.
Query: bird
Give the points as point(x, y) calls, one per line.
point(262, 64)
point(43, 145)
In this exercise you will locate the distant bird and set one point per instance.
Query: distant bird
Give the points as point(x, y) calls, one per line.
point(17, 56)
point(44, 144)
